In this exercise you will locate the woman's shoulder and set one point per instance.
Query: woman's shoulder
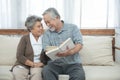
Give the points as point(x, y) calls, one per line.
point(26, 36)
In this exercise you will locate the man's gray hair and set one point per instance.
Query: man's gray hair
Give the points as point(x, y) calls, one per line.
point(31, 20)
point(52, 11)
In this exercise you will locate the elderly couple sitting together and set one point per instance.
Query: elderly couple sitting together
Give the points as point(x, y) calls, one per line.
point(33, 64)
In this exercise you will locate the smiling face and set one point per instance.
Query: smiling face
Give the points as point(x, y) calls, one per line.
point(52, 23)
point(37, 29)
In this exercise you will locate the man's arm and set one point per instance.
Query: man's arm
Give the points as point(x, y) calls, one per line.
point(77, 39)
point(69, 52)
point(77, 48)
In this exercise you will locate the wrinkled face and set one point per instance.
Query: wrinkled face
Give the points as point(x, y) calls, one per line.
point(51, 23)
point(37, 29)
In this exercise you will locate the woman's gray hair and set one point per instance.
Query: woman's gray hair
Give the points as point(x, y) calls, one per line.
point(52, 11)
point(31, 20)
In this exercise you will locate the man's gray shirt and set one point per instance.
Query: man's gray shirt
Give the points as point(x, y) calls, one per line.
point(53, 38)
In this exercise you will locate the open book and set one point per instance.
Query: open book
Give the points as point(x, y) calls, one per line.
point(53, 50)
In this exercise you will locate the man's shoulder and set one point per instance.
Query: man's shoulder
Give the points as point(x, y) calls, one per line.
point(70, 25)
point(47, 31)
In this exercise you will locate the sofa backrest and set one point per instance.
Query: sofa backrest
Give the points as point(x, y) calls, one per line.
point(8, 47)
point(8, 44)
point(97, 50)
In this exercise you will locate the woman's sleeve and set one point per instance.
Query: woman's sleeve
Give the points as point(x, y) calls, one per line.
point(21, 51)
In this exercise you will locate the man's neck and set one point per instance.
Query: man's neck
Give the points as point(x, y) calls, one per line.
point(59, 26)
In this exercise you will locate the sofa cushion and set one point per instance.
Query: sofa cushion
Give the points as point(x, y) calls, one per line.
point(102, 72)
point(5, 73)
point(97, 50)
point(8, 47)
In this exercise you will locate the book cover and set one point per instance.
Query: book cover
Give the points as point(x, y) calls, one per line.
point(53, 50)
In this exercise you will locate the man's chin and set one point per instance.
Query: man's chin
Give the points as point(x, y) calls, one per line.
point(52, 29)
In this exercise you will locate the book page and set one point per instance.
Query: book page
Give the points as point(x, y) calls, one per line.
point(53, 50)
point(68, 44)
point(52, 53)
point(48, 48)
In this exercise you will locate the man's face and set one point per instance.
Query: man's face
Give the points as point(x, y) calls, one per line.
point(51, 23)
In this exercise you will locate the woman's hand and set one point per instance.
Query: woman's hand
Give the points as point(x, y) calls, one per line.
point(38, 65)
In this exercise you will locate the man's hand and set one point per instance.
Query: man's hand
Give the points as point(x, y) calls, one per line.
point(62, 54)
point(69, 52)
point(65, 53)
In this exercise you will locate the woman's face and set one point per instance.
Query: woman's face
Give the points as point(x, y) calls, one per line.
point(37, 29)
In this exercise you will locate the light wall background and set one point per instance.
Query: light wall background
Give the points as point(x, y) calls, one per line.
point(90, 14)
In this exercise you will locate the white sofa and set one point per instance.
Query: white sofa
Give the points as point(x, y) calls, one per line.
point(96, 56)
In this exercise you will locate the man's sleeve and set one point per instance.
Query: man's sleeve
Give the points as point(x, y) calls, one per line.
point(77, 36)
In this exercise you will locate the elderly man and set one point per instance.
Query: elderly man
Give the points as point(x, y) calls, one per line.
point(58, 32)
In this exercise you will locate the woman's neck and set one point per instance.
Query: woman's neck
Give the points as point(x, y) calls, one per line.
point(36, 37)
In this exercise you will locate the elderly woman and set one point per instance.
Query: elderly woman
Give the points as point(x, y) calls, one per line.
point(28, 64)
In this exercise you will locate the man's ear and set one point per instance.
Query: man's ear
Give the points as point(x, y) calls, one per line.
point(57, 17)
